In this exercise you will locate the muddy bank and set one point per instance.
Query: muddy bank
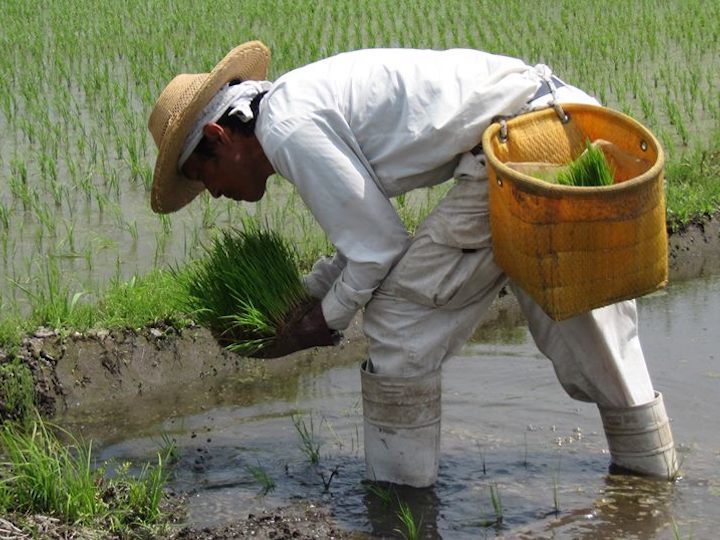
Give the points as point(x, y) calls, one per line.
point(118, 373)
point(694, 251)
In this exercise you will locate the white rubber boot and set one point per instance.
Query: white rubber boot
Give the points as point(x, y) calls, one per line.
point(640, 439)
point(401, 427)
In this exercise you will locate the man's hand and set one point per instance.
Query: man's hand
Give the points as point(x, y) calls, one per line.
point(304, 329)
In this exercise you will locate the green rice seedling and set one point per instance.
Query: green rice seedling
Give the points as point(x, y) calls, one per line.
point(166, 223)
point(4, 216)
point(591, 168)
point(556, 487)
point(132, 229)
point(169, 449)
point(482, 458)
point(210, 212)
point(45, 216)
point(381, 492)
point(676, 119)
point(309, 445)
point(261, 476)
point(677, 535)
point(556, 494)
point(410, 527)
point(246, 287)
point(496, 503)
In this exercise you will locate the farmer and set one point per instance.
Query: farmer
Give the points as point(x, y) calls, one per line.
point(350, 133)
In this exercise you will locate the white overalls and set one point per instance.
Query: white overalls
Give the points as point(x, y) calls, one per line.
point(355, 130)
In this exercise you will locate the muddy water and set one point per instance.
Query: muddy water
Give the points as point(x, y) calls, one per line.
point(507, 425)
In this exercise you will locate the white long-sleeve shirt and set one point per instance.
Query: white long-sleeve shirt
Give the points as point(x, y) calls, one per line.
point(356, 129)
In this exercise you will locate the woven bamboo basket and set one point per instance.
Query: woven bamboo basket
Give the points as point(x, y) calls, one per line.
point(574, 249)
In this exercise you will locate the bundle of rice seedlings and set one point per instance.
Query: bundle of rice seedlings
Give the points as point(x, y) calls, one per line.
point(246, 287)
point(591, 168)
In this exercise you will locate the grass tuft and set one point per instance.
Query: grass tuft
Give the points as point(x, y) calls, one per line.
point(143, 300)
point(42, 475)
point(693, 188)
point(16, 393)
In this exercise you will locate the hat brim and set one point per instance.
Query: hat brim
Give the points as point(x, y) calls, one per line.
point(170, 189)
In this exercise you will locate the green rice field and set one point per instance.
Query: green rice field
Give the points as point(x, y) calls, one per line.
point(78, 79)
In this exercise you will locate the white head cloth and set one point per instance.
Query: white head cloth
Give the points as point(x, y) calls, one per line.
point(237, 98)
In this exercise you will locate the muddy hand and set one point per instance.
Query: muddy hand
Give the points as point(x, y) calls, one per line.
point(308, 330)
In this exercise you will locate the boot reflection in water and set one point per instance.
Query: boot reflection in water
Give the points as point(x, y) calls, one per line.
point(385, 502)
point(628, 507)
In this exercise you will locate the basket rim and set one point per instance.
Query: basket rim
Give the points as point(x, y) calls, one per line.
point(541, 186)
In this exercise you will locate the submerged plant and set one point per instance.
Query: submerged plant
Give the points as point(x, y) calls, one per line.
point(411, 528)
point(327, 480)
point(261, 476)
point(246, 287)
point(556, 495)
point(384, 494)
point(591, 168)
point(496, 502)
point(308, 443)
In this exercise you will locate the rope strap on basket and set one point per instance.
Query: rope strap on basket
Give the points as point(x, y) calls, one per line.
point(554, 103)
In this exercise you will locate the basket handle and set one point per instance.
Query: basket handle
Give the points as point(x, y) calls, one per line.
point(502, 120)
point(562, 115)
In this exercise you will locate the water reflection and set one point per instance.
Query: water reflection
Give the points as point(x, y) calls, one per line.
point(627, 507)
point(386, 503)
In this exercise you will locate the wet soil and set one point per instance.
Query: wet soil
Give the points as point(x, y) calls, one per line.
point(302, 522)
point(162, 371)
point(299, 522)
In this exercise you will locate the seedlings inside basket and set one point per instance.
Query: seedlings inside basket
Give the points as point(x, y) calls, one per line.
point(246, 287)
point(591, 168)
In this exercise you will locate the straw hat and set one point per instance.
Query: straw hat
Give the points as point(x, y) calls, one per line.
point(178, 108)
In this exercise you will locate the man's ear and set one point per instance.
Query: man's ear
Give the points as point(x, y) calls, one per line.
point(216, 133)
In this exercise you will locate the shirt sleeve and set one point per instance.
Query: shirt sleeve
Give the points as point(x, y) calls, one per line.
point(323, 274)
point(319, 156)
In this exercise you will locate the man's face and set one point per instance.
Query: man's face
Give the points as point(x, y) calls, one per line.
point(238, 170)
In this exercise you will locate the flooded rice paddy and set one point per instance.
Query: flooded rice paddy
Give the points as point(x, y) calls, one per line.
point(508, 428)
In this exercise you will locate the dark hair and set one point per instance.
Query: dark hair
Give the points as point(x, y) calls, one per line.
point(205, 148)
